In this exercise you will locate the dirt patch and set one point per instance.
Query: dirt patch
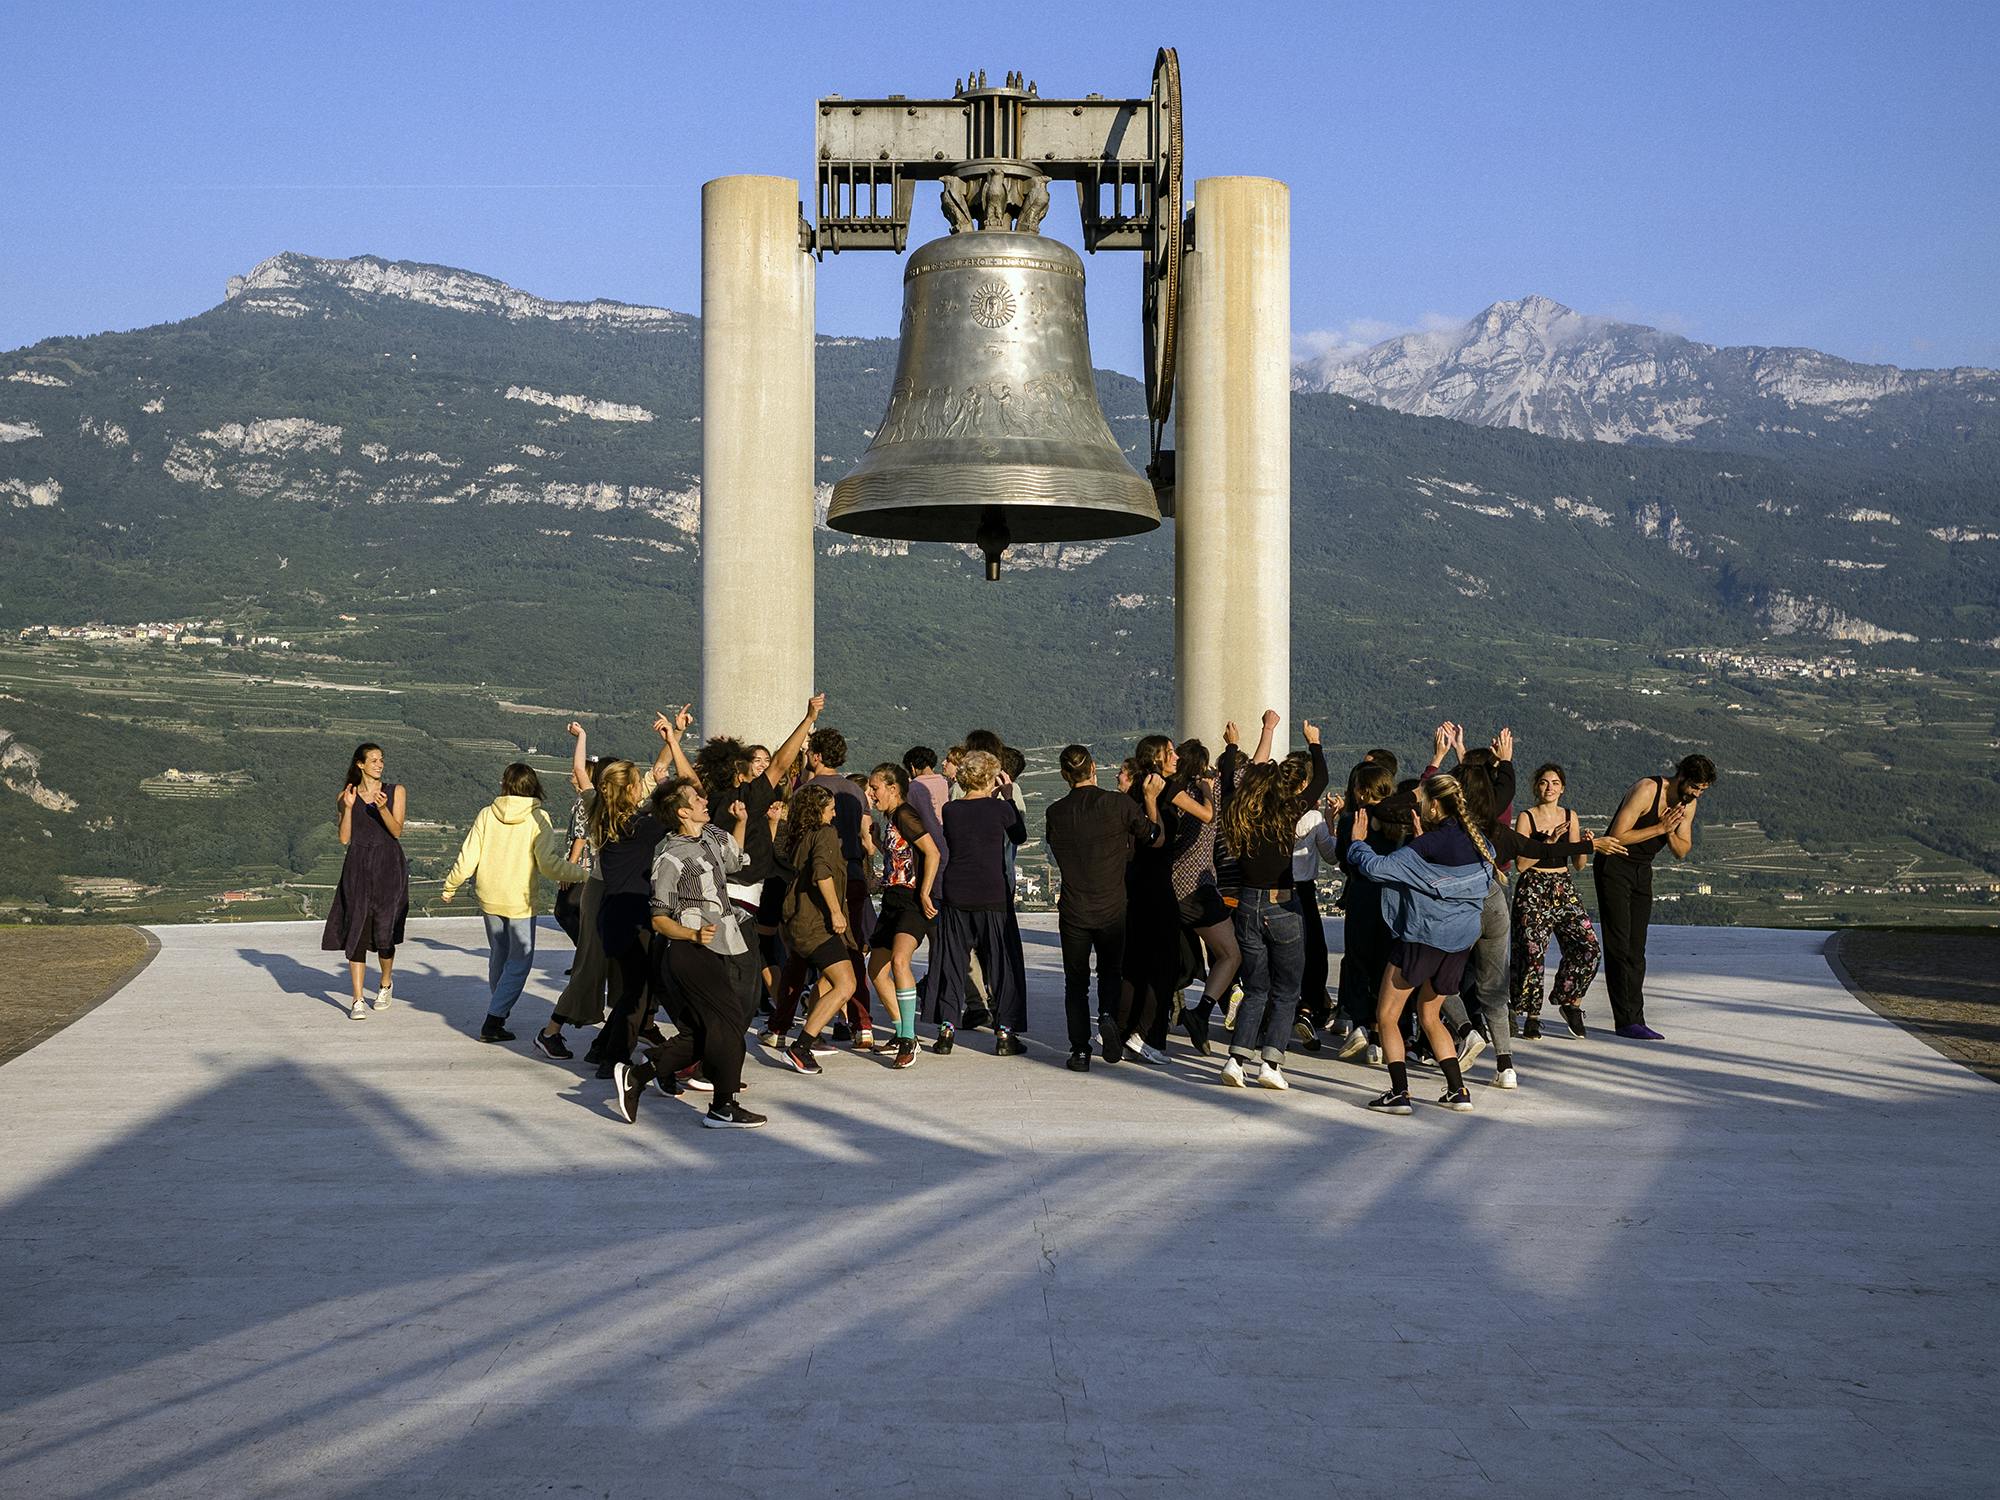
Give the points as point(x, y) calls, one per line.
point(1942, 987)
point(51, 975)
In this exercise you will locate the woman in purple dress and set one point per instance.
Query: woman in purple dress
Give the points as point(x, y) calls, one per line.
point(373, 900)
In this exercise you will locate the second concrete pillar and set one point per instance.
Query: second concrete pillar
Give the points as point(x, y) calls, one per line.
point(1233, 493)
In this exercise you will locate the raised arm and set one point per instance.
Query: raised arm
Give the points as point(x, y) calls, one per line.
point(788, 753)
point(1266, 735)
point(579, 758)
point(671, 754)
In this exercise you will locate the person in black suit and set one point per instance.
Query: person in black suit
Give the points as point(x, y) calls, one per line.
point(1091, 834)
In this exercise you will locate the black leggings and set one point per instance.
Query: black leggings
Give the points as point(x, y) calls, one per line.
point(625, 924)
point(1312, 979)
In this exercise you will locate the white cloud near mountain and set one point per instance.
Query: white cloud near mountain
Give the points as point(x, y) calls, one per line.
point(1359, 334)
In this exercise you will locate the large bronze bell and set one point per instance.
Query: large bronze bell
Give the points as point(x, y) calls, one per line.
point(993, 433)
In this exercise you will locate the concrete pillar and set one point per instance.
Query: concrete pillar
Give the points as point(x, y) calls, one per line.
point(756, 460)
point(1233, 449)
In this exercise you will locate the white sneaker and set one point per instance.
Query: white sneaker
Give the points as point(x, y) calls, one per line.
point(1232, 1074)
point(1235, 1004)
point(1469, 1047)
point(1506, 1078)
point(383, 996)
point(1374, 1056)
point(1272, 1077)
point(1136, 1046)
point(358, 1011)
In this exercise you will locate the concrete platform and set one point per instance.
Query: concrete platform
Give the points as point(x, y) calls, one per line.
point(251, 1248)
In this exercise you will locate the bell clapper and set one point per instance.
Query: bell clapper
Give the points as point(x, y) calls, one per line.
point(993, 538)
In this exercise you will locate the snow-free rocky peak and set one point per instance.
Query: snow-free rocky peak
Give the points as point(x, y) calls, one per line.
point(291, 285)
point(1536, 364)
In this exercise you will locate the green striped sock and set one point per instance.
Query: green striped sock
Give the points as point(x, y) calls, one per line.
point(906, 1014)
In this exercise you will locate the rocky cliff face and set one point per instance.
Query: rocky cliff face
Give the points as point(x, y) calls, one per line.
point(1538, 365)
point(284, 286)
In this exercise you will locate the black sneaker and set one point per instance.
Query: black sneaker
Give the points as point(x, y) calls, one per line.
point(1459, 1099)
point(1531, 1029)
point(821, 1046)
point(669, 1085)
point(1196, 1022)
point(1006, 1044)
point(1395, 1102)
point(1310, 1042)
point(906, 1052)
point(799, 1054)
point(626, 1088)
point(553, 1046)
point(1573, 1018)
point(653, 1034)
point(942, 1046)
point(974, 1018)
point(842, 1032)
point(1079, 1061)
point(1113, 1044)
point(494, 1031)
point(731, 1116)
point(594, 1054)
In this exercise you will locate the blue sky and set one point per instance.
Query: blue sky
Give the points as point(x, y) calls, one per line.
point(1825, 175)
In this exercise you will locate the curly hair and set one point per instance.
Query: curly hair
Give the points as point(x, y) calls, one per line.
point(802, 814)
point(1261, 814)
point(830, 745)
point(979, 772)
point(719, 763)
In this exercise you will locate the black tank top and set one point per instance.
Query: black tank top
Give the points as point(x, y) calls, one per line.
point(1643, 851)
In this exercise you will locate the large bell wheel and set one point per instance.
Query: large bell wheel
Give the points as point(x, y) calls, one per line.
point(1162, 278)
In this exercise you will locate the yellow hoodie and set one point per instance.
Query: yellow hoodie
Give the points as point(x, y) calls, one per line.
point(512, 840)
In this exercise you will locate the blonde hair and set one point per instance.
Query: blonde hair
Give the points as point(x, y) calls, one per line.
point(616, 805)
point(978, 771)
point(1442, 791)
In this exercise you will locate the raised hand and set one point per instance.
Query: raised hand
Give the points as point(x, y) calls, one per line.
point(347, 795)
point(1440, 742)
point(663, 726)
point(1503, 744)
point(815, 706)
point(1361, 823)
point(573, 729)
point(1154, 784)
point(1457, 740)
point(684, 718)
point(1310, 730)
point(1333, 807)
point(1231, 734)
point(738, 813)
point(1271, 719)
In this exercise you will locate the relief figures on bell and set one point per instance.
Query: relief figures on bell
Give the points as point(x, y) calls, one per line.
point(1054, 405)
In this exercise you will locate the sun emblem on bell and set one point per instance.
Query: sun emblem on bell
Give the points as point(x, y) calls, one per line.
point(993, 305)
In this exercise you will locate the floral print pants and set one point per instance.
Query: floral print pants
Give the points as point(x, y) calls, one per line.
point(1545, 906)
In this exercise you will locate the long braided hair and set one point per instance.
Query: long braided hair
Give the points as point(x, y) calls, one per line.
point(1443, 793)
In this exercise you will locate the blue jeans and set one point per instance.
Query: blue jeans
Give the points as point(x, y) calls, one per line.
point(1272, 935)
point(510, 954)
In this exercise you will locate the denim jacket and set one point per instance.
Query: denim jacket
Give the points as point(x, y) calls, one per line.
point(1424, 902)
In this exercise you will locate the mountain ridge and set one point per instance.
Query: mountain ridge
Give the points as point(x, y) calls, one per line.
point(1534, 363)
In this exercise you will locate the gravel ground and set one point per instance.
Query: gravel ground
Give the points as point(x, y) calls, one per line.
point(1941, 987)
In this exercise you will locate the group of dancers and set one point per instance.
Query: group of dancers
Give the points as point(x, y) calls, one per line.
point(742, 890)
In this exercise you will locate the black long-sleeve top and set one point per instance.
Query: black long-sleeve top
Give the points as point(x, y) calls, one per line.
point(1267, 864)
point(979, 829)
point(1090, 833)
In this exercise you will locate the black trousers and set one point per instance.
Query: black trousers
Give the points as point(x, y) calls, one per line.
point(1312, 979)
point(1365, 953)
point(1079, 940)
point(1624, 911)
point(709, 1012)
point(962, 933)
point(624, 923)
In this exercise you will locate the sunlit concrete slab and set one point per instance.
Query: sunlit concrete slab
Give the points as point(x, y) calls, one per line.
point(251, 1247)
